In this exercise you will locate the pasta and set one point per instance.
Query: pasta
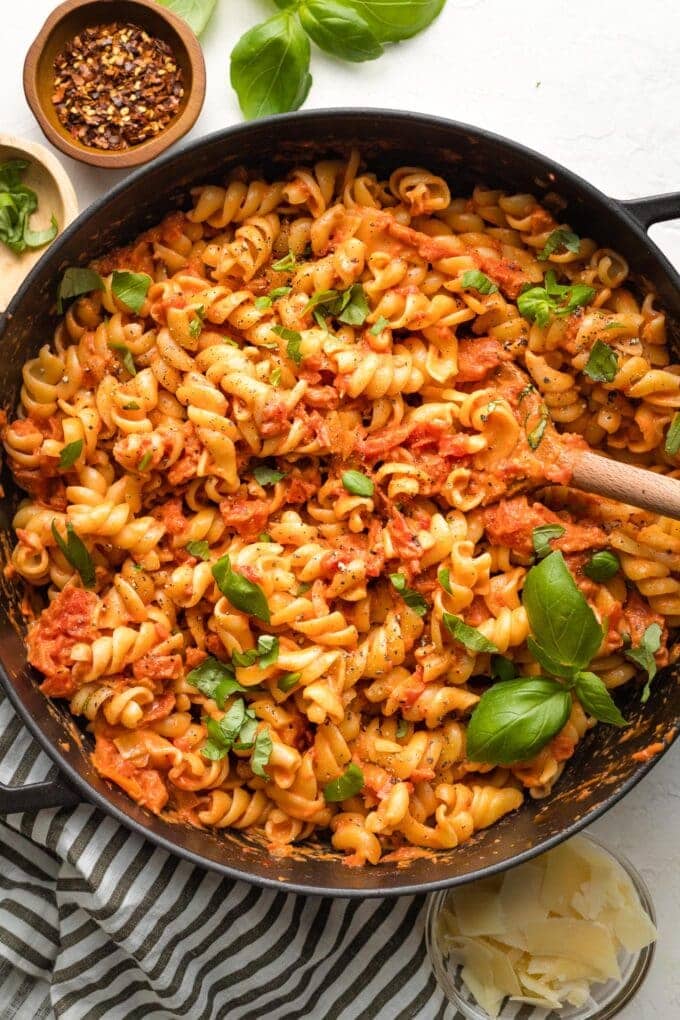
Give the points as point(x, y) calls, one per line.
point(257, 490)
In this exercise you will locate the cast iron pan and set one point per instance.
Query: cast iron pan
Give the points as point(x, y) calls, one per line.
point(603, 768)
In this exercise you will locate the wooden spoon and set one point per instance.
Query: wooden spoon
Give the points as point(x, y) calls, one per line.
point(627, 484)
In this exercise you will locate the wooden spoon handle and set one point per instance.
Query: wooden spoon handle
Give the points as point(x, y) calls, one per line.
point(627, 484)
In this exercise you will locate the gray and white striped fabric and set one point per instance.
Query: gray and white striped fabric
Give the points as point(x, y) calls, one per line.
point(97, 924)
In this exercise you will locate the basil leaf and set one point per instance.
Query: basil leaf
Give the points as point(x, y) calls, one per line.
point(75, 282)
point(535, 305)
point(270, 67)
point(285, 265)
point(268, 650)
point(145, 461)
point(263, 302)
point(393, 20)
point(597, 700)
point(345, 786)
point(264, 537)
point(216, 680)
point(196, 324)
point(560, 618)
point(69, 454)
point(321, 297)
point(549, 663)
point(358, 484)
point(244, 658)
point(536, 435)
point(280, 292)
point(672, 444)
point(444, 579)
point(125, 355)
point(214, 751)
point(473, 639)
point(196, 13)
point(602, 565)
point(413, 599)
point(75, 551)
point(380, 324)
point(293, 338)
point(339, 29)
point(199, 549)
point(516, 718)
point(354, 306)
point(262, 752)
point(265, 475)
point(402, 729)
point(560, 238)
point(502, 668)
point(243, 594)
point(130, 288)
point(275, 377)
point(229, 726)
point(247, 735)
point(476, 280)
point(288, 681)
point(538, 304)
point(643, 656)
point(543, 536)
point(602, 364)
point(38, 238)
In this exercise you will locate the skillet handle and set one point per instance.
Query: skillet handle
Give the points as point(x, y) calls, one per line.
point(35, 796)
point(655, 209)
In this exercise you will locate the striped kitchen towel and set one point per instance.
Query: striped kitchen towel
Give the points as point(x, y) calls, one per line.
point(97, 924)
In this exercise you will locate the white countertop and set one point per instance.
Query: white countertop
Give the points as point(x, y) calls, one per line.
point(594, 84)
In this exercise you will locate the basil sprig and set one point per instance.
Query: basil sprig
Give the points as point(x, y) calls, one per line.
point(75, 551)
point(130, 288)
point(643, 656)
point(345, 786)
point(270, 63)
point(602, 364)
point(196, 13)
point(540, 303)
point(349, 306)
point(516, 717)
point(413, 599)
point(216, 680)
point(237, 729)
point(17, 204)
point(243, 594)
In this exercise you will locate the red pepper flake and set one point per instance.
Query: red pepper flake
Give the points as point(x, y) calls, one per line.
point(116, 86)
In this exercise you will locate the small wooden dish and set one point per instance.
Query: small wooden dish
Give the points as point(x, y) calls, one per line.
point(70, 18)
point(46, 176)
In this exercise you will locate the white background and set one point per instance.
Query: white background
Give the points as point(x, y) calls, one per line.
point(593, 83)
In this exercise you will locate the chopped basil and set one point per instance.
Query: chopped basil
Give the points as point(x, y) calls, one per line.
point(199, 549)
point(125, 355)
point(146, 460)
point(75, 551)
point(602, 364)
point(293, 340)
point(268, 650)
point(263, 302)
point(130, 288)
point(402, 729)
point(262, 752)
point(279, 292)
point(75, 282)
point(196, 324)
point(473, 639)
point(17, 203)
point(380, 324)
point(672, 444)
point(265, 475)
point(538, 303)
point(444, 579)
point(643, 655)
point(264, 537)
point(286, 264)
point(601, 566)
point(69, 454)
point(345, 786)
point(536, 435)
point(288, 681)
point(275, 377)
point(479, 281)
point(243, 594)
point(215, 679)
point(413, 599)
point(132, 406)
point(543, 535)
point(560, 238)
point(358, 484)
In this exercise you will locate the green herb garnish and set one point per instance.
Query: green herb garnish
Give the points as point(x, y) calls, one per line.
point(75, 551)
point(602, 364)
point(125, 355)
point(200, 549)
point(413, 599)
point(538, 304)
point(265, 475)
point(288, 681)
point(543, 535)
point(643, 655)
point(345, 786)
point(17, 204)
point(358, 484)
point(478, 281)
point(69, 454)
point(216, 680)
point(75, 282)
point(130, 288)
point(243, 594)
point(560, 238)
point(472, 638)
point(602, 566)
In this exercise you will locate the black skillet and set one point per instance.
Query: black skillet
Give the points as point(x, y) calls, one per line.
point(603, 769)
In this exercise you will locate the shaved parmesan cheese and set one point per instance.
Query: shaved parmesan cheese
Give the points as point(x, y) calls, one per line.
point(546, 931)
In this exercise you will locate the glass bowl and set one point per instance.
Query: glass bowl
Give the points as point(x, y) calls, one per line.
point(606, 998)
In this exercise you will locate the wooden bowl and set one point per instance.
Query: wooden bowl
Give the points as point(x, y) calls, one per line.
point(72, 17)
point(46, 176)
